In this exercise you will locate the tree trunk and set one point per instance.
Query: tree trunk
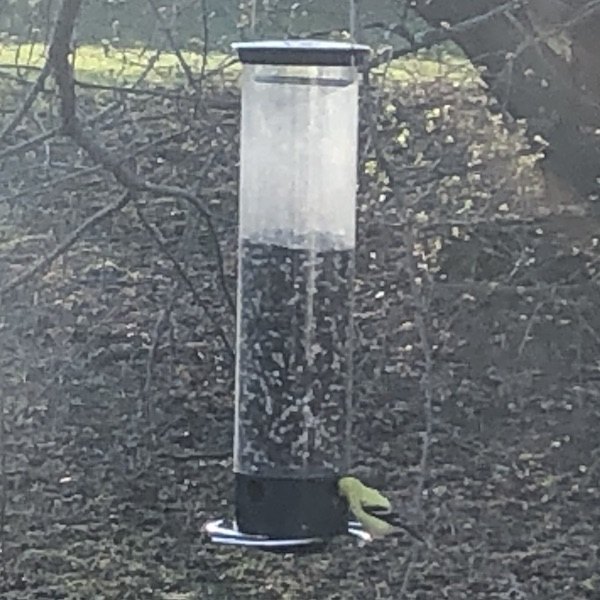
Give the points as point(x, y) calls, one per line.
point(542, 62)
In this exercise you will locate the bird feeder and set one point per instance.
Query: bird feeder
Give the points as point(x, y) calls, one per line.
point(298, 162)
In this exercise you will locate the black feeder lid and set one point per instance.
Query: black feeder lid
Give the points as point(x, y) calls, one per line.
point(319, 53)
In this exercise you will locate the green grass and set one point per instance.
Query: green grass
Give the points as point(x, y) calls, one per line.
point(428, 66)
point(117, 66)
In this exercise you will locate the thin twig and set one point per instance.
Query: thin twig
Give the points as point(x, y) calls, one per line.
point(174, 46)
point(3, 483)
point(31, 192)
point(420, 311)
point(410, 561)
point(205, 35)
point(68, 361)
point(163, 317)
point(89, 85)
point(28, 144)
point(157, 236)
point(581, 13)
point(431, 37)
point(27, 104)
point(427, 378)
point(64, 246)
point(530, 323)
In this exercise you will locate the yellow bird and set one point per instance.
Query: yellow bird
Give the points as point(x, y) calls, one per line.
point(372, 509)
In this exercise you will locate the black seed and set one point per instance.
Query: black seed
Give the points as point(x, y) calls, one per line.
point(294, 355)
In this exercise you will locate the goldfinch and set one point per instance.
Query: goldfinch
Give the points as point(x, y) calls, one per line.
point(372, 509)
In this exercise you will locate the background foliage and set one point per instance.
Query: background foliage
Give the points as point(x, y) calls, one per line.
point(229, 20)
point(477, 332)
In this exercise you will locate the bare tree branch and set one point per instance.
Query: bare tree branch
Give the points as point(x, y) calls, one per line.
point(431, 37)
point(533, 81)
point(427, 383)
point(174, 46)
point(144, 400)
point(33, 142)
point(28, 103)
point(58, 58)
point(157, 236)
point(64, 246)
point(205, 36)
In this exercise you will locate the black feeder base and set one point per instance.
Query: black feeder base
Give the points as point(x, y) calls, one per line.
point(289, 508)
point(224, 531)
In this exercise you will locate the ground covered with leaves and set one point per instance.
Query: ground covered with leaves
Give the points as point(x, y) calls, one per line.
point(477, 340)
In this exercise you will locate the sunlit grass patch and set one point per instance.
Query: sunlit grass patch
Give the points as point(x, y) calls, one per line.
point(109, 65)
point(106, 64)
point(429, 66)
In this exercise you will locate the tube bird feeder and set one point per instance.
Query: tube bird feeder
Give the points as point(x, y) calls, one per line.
point(297, 207)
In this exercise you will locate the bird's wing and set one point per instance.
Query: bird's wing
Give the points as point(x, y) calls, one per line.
point(378, 511)
point(392, 518)
point(375, 526)
point(373, 498)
